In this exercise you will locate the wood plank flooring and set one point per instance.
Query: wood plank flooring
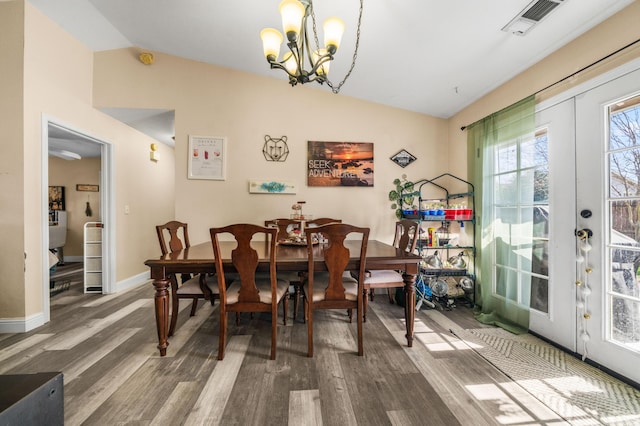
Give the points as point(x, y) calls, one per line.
point(113, 374)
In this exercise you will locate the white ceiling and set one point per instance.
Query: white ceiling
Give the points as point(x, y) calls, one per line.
point(432, 57)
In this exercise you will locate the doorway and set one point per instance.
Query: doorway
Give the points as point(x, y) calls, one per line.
point(89, 203)
point(594, 238)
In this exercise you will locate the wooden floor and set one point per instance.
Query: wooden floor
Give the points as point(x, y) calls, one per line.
point(106, 348)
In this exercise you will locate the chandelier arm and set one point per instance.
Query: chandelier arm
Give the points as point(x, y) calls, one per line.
point(306, 36)
point(298, 54)
point(336, 90)
point(293, 78)
point(321, 60)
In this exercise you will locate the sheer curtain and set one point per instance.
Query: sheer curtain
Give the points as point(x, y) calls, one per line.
point(505, 228)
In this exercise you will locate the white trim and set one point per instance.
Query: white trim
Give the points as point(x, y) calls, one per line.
point(44, 166)
point(108, 200)
point(599, 80)
point(107, 182)
point(22, 325)
point(133, 281)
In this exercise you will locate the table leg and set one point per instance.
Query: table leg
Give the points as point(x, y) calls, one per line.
point(409, 305)
point(162, 312)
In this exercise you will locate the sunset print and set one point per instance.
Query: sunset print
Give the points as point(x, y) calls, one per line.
point(340, 164)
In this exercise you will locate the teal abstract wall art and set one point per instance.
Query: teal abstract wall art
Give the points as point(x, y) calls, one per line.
point(271, 187)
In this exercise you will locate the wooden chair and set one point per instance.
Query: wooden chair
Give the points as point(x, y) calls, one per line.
point(333, 289)
point(313, 223)
point(283, 225)
point(193, 288)
point(406, 237)
point(293, 277)
point(252, 292)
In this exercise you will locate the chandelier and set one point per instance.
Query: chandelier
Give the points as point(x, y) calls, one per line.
point(303, 63)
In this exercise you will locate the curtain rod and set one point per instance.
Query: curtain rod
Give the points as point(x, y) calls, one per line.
point(579, 71)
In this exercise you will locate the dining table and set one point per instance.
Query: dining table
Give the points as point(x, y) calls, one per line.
point(289, 257)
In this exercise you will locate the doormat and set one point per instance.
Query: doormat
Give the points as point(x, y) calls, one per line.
point(579, 393)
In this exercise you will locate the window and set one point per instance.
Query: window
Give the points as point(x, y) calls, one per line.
point(521, 218)
point(623, 292)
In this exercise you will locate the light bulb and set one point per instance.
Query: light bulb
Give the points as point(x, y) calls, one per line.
point(585, 246)
point(586, 291)
point(579, 259)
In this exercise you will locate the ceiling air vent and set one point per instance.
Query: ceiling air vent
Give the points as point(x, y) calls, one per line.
point(531, 15)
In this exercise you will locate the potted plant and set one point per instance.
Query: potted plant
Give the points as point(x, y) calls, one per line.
point(403, 198)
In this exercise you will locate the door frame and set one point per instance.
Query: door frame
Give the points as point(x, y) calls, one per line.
point(599, 80)
point(107, 204)
point(574, 93)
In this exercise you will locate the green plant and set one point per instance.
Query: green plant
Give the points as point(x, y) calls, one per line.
point(402, 196)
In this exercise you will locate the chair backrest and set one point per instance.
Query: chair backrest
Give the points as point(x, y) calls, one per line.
point(336, 256)
point(175, 242)
point(322, 221)
point(407, 234)
point(245, 259)
point(282, 225)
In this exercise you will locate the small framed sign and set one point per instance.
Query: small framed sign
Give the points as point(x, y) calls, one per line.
point(207, 157)
point(403, 158)
point(87, 187)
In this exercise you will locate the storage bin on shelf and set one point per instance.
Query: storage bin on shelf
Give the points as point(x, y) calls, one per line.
point(447, 225)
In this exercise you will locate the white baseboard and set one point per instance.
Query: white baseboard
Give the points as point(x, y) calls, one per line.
point(133, 282)
point(72, 259)
point(21, 325)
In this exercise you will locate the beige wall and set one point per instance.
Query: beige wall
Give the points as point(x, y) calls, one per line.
point(68, 174)
point(606, 38)
point(11, 160)
point(58, 79)
point(214, 101)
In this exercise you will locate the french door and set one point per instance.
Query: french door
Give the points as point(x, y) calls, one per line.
point(593, 288)
point(552, 314)
point(608, 186)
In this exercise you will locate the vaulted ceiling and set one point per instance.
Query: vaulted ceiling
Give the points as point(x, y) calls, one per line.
point(432, 57)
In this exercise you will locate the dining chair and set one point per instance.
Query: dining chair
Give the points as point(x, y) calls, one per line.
point(194, 288)
point(312, 223)
point(333, 289)
point(252, 292)
point(406, 238)
point(293, 277)
point(283, 225)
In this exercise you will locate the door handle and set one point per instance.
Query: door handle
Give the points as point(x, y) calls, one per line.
point(583, 234)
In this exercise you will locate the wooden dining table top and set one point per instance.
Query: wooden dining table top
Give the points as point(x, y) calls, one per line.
point(199, 258)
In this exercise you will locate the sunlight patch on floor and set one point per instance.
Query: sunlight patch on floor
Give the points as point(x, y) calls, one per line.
point(554, 399)
point(437, 342)
point(627, 419)
point(515, 405)
point(511, 411)
point(570, 385)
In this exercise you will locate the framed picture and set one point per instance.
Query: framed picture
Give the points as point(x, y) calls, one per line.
point(340, 164)
point(87, 187)
point(207, 157)
point(271, 187)
point(403, 158)
point(56, 198)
